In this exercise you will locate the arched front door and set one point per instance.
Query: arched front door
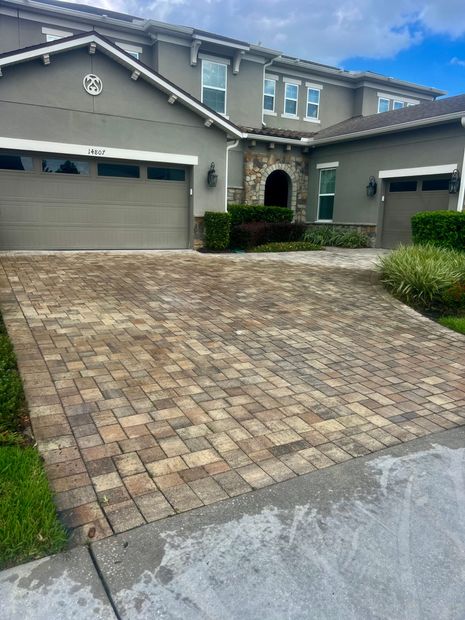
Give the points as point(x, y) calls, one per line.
point(278, 189)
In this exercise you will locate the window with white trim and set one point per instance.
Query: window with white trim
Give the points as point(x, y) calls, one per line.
point(133, 50)
point(383, 104)
point(269, 95)
point(51, 34)
point(291, 97)
point(326, 193)
point(398, 105)
point(313, 103)
point(214, 85)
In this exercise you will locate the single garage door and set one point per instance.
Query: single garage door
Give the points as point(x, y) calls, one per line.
point(407, 196)
point(58, 202)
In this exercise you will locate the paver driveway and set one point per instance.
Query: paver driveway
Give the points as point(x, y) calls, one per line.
point(161, 382)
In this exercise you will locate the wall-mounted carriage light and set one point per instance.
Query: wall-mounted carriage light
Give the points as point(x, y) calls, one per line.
point(212, 177)
point(371, 187)
point(454, 183)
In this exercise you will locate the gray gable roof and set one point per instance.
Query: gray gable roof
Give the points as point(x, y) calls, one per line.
point(395, 119)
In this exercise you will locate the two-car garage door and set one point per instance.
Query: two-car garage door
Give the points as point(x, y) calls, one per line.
point(58, 202)
point(406, 196)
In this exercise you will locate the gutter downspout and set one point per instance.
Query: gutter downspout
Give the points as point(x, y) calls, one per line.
point(230, 146)
point(265, 67)
point(462, 172)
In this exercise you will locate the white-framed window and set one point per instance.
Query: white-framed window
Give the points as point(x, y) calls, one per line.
point(52, 34)
point(326, 193)
point(214, 79)
point(291, 98)
point(313, 103)
point(388, 102)
point(383, 104)
point(269, 95)
point(133, 50)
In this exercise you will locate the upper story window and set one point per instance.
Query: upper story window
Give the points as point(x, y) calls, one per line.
point(269, 95)
point(383, 104)
point(132, 50)
point(388, 102)
point(313, 103)
point(52, 34)
point(214, 85)
point(291, 98)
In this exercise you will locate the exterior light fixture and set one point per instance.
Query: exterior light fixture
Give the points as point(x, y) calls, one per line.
point(212, 177)
point(454, 183)
point(371, 187)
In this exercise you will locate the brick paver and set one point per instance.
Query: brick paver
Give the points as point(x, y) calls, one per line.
point(158, 383)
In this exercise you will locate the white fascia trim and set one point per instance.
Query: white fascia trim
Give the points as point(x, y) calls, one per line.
point(19, 144)
point(56, 33)
point(398, 97)
point(356, 135)
point(262, 138)
point(288, 80)
point(417, 172)
point(129, 61)
point(222, 42)
point(328, 164)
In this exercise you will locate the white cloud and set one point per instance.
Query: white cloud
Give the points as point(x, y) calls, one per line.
point(457, 61)
point(326, 31)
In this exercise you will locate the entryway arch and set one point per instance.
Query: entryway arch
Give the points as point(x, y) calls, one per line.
point(278, 188)
point(287, 173)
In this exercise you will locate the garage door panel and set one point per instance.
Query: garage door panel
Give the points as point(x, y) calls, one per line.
point(58, 211)
point(71, 238)
point(399, 208)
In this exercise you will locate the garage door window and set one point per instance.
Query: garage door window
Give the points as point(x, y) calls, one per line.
point(403, 186)
point(326, 195)
point(435, 185)
point(166, 174)
point(66, 166)
point(16, 162)
point(118, 170)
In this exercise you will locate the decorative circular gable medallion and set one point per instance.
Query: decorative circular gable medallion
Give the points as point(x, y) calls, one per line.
point(92, 84)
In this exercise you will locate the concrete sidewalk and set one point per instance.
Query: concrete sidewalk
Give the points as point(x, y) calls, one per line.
point(380, 537)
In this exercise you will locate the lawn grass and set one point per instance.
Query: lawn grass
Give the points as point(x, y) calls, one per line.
point(29, 526)
point(457, 323)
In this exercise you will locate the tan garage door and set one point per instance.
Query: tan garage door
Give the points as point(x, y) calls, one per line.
point(405, 197)
point(57, 202)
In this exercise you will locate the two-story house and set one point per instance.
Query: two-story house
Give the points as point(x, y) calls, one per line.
point(120, 132)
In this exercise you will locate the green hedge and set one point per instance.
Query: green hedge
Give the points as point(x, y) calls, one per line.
point(252, 234)
point(217, 230)
point(287, 246)
point(242, 214)
point(441, 228)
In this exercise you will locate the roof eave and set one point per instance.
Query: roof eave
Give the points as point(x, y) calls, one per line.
point(435, 120)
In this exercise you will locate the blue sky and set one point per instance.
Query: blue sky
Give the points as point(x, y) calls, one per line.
point(417, 40)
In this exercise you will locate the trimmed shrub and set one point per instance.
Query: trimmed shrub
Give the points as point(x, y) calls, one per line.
point(425, 276)
point(242, 214)
point(289, 246)
point(252, 234)
point(217, 230)
point(442, 228)
point(337, 237)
